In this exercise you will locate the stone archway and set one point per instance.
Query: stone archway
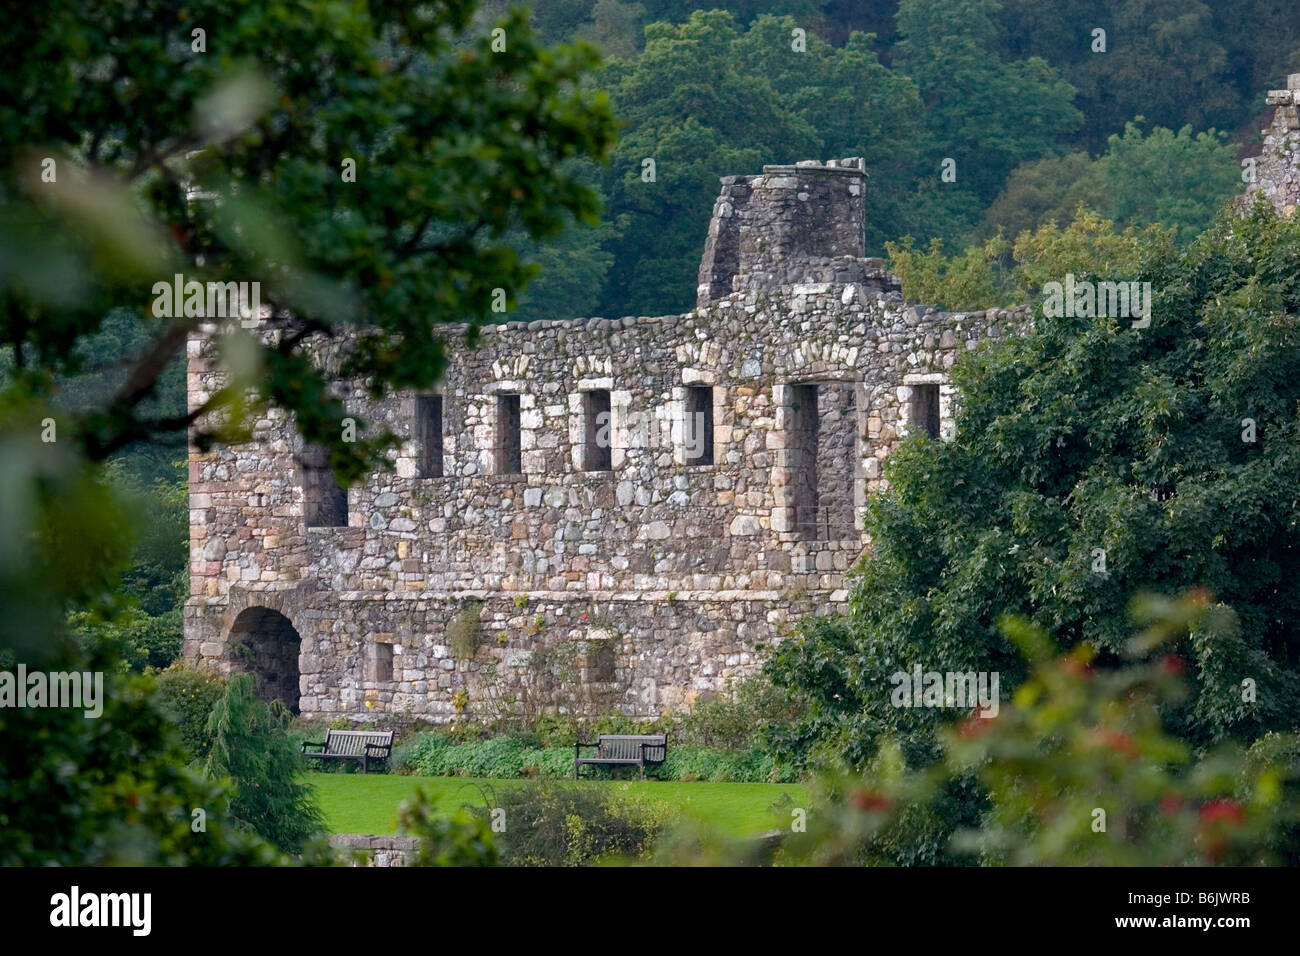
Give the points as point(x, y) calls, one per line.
point(264, 643)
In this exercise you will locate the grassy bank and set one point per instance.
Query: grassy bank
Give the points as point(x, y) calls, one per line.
point(356, 803)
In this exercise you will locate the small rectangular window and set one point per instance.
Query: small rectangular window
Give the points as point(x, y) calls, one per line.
point(428, 432)
point(697, 428)
point(325, 501)
point(600, 661)
point(509, 450)
point(596, 431)
point(925, 409)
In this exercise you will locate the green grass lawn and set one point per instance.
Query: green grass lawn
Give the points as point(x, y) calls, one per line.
point(367, 803)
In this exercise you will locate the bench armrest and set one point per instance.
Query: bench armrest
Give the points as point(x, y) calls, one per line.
point(308, 743)
point(384, 748)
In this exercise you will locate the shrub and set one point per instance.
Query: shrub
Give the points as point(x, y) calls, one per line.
point(554, 824)
point(461, 839)
point(720, 766)
point(556, 730)
point(520, 754)
point(465, 633)
point(187, 695)
point(1077, 769)
point(620, 724)
point(737, 721)
point(143, 640)
point(112, 791)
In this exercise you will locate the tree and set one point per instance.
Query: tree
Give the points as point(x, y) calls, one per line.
point(1075, 770)
point(615, 27)
point(1164, 60)
point(250, 749)
point(352, 160)
point(988, 114)
point(1092, 461)
point(217, 140)
point(112, 790)
point(857, 106)
point(1177, 180)
point(696, 110)
point(1004, 274)
point(706, 100)
point(146, 624)
point(1148, 43)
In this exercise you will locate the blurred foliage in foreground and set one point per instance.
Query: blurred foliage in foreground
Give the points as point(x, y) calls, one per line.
point(144, 139)
point(1076, 770)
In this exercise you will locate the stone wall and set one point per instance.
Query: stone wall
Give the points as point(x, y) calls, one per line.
point(520, 581)
point(1277, 173)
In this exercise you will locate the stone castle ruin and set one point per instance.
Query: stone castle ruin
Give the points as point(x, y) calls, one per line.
point(597, 515)
point(1277, 170)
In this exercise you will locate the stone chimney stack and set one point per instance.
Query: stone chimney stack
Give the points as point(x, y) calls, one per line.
point(769, 230)
point(1277, 171)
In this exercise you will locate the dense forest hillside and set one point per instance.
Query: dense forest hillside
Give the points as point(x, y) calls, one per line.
point(1136, 108)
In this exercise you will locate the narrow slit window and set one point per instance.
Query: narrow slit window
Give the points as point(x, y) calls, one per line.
point(697, 429)
point(325, 501)
point(596, 429)
point(802, 445)
point(925, 409)
point(509, 449)
point(428, 432)
point(380, 663)
point(822, 448)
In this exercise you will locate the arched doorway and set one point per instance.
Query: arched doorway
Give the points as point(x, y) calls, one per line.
point(264, 643)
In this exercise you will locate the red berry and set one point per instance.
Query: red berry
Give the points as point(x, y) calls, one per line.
point(1173, 664)
point(1223, 808)
point(868, 800)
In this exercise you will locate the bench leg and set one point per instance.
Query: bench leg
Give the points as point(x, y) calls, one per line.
point(365, 765)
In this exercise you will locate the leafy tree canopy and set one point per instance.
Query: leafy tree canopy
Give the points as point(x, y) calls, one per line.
point(1177, 180)
point(950, 51)
point(258, 114)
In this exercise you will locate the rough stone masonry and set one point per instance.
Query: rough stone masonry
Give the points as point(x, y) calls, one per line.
point(598, 515)
point(1277, 171)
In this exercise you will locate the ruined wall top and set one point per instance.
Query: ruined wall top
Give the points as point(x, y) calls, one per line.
point(1277, 174)
point(785, 226)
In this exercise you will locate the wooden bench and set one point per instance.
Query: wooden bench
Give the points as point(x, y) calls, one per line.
point(638, 750)
point(363, 745)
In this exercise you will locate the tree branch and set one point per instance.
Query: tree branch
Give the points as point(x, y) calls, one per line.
point(151, 365)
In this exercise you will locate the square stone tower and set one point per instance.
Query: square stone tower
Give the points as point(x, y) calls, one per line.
point(767, 230)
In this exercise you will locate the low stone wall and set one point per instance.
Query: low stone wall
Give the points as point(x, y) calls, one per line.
point(365, 849)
